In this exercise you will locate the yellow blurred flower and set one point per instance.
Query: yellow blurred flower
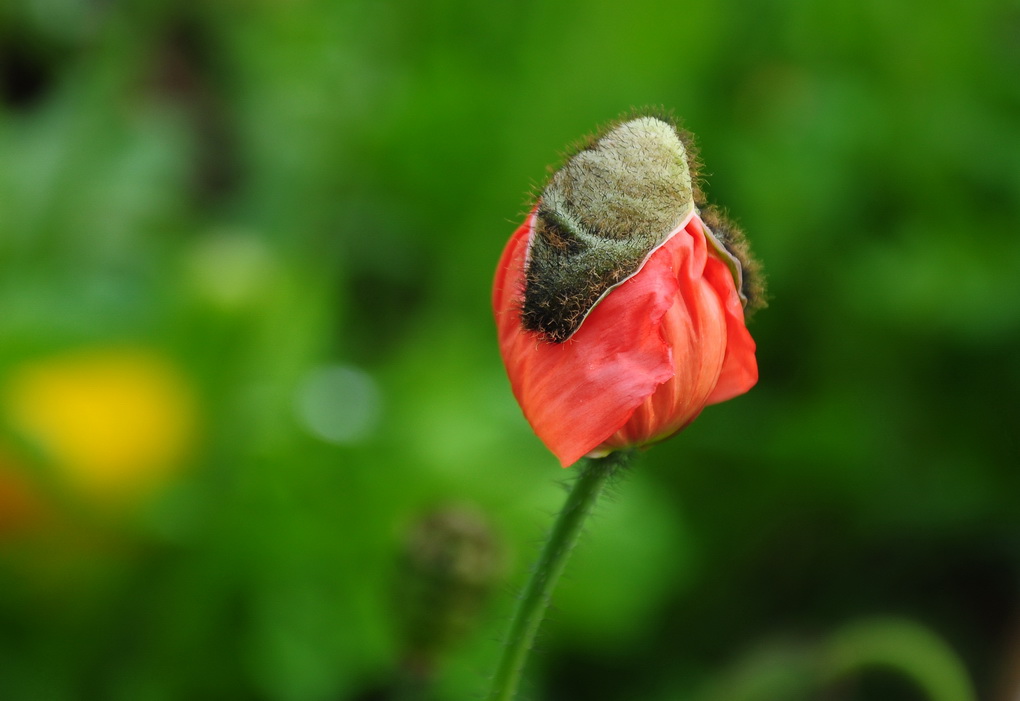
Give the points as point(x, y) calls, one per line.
point(115, 423)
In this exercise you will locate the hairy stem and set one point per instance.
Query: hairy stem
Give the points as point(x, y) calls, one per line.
point(536, 595)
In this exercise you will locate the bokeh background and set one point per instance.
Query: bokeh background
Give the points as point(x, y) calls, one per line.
point(256, 441)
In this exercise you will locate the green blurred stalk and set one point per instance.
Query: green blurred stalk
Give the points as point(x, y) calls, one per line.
point(902, 646)
point(781, 670)
point(531, 606)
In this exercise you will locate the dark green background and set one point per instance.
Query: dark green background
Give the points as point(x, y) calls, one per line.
point(378, 155)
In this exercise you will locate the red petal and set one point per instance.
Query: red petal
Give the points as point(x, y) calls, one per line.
point(577, 393)
point(695, 330)
point(740, 367)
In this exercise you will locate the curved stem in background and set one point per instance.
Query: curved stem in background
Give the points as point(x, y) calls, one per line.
point(902, 646)
point(534, 600)
point(780, 669)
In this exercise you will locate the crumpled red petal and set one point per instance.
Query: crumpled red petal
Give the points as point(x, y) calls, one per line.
point(575, 394)
point(713, 353)
point(643, 364)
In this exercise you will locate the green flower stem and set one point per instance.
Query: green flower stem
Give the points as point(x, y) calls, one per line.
point(535, 599)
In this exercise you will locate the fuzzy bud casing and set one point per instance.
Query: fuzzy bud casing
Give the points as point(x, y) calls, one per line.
point(600, 217)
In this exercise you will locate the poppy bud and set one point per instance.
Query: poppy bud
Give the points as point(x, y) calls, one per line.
point(620, 313)
point(449, 564)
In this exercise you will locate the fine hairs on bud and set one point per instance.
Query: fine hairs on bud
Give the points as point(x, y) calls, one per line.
point(731, 236)
point(600, 216)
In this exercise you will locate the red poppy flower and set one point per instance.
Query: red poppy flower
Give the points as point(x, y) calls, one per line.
point(647, 357)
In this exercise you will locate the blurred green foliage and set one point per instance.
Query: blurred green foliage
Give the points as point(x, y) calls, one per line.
point(294, 209)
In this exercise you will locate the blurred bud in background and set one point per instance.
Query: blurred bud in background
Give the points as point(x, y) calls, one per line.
point(450, 561)
point(112, 426)
point(22, 506)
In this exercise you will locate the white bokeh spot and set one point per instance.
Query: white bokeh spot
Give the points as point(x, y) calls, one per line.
point(339, 404)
